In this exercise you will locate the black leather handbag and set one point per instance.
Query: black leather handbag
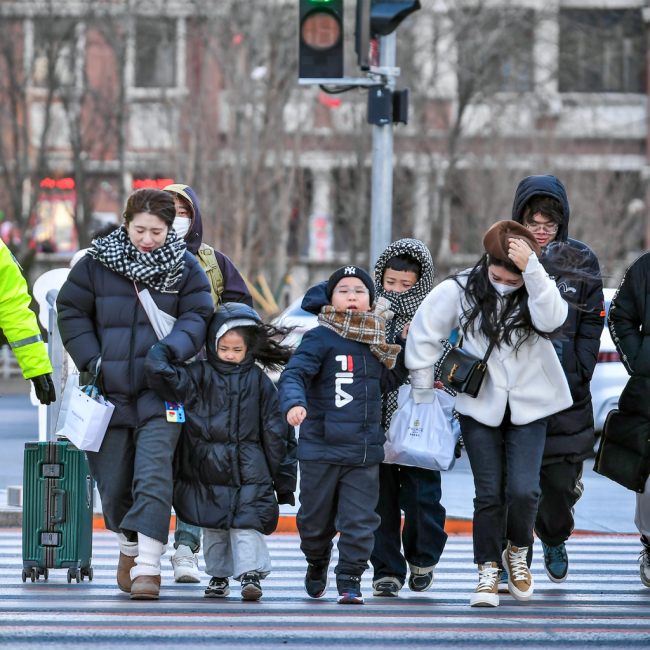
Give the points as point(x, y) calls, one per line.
point(463, 371)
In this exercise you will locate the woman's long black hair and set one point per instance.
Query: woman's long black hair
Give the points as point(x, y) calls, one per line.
point(514, 325)
point(264, 342)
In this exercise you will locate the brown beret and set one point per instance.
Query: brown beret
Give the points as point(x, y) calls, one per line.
point(496, 241)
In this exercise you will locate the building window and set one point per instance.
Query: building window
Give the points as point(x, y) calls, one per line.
point(602, 51)
point(155, 54)
point(55, 44)
point(495, 50)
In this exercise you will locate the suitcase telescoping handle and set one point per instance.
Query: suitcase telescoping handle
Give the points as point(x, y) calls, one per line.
point(63, 500)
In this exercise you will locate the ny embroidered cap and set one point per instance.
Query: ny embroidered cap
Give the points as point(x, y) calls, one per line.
point(497, 239)
point(350, 272)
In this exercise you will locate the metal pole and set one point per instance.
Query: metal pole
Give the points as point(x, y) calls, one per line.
point(55, 350)
point(382, 166)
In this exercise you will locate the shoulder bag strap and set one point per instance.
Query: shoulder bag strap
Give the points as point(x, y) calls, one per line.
point(146, 311)
point(488, 353)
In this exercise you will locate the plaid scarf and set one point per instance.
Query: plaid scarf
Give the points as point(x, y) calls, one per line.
point(404, 304)
point(160, 269)
point(367, 327)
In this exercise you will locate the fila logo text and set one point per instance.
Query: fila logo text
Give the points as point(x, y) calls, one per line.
point(341, 398)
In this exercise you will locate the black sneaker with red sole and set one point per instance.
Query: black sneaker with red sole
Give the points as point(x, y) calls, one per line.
point(316, 580)
point(349, 587)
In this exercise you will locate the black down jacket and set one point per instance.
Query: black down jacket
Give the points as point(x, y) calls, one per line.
point(340, 382)
point(624, 455)
point(100, 315)
point(236, 447)
point(570, 433)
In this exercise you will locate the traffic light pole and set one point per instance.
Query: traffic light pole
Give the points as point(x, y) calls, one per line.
point(382, 164)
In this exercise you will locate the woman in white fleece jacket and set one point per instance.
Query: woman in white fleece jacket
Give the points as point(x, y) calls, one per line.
point(509, 299)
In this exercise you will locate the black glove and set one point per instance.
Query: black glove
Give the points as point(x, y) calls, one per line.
point(44, 387)
point(160, 352)
point(286, 498)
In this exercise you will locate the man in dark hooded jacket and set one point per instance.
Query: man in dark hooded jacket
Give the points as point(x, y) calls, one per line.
point(541, 204)
point(227, 285)
point(226, 281)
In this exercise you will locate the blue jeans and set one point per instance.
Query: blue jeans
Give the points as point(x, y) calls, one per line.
point(417, 492)
point(506, 462)
point(186, 535)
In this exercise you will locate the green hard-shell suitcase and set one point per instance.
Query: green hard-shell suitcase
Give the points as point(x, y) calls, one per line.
point(57, 511)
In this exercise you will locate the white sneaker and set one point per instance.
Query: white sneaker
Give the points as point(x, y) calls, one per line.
point(486, 594)
point(520, 582)
point(186, 565)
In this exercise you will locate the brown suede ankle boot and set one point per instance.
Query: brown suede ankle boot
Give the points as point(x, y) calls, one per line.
point(145, 588)
point(124, 567)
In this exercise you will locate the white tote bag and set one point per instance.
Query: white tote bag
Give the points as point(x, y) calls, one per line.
point(423, 435)
point(71, 383)
point(87, 420)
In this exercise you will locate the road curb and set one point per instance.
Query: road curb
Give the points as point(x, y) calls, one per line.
point(286, 524)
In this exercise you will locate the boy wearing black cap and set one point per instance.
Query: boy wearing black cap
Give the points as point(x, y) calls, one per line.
point(333, 388)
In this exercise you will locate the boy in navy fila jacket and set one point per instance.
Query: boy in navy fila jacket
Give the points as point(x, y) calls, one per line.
point(333, 388)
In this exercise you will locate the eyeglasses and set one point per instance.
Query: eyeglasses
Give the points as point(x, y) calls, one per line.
point(536, 227)
point(345, 291)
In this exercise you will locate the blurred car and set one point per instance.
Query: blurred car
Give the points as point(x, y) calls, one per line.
point(610, 375)
point(294, 316)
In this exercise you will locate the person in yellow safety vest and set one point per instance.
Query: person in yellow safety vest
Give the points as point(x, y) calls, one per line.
point(19, 324)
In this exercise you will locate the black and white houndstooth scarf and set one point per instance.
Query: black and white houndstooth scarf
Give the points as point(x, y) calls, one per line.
point(160, 269)
point(403, 305)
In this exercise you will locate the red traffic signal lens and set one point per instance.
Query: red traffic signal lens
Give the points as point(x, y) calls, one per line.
point(321, 31)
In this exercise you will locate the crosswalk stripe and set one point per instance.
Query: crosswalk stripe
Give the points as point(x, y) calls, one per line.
point(603, 601)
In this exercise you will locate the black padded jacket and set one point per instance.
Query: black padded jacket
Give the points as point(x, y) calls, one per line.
point(570, 433)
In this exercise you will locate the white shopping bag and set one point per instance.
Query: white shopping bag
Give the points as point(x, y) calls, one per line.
point(423, 435)
point(71, 383)
point(87, 420)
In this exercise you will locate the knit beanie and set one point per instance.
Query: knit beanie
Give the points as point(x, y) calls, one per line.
point(350, 272)
point(497, 239)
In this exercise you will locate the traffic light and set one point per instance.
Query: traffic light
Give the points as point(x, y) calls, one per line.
point(321, 39)
point(386, 15)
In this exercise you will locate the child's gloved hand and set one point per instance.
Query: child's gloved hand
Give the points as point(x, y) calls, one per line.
point(286, 498)
point(296, 415)
point(160, 352)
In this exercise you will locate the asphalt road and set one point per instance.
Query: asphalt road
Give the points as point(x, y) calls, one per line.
point(602, 604)
point(18, 425)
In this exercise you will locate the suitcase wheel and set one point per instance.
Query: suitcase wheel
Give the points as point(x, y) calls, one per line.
point(46, 574)
point(69, 576)
point(34, 575)
point(76, 575)
point(24, 575)
point(87, 573)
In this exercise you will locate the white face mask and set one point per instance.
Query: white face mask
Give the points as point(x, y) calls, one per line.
point(504, 289)
point(182, 226)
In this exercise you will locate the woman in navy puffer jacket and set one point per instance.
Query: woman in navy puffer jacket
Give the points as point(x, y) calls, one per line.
point(106, 330)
